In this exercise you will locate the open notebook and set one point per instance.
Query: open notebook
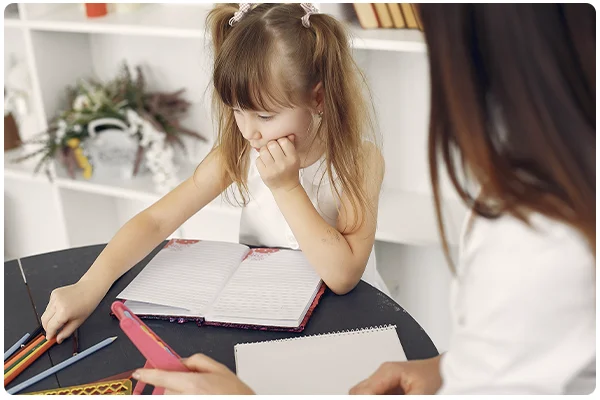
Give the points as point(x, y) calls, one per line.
point(321, 364)
point(226, 284)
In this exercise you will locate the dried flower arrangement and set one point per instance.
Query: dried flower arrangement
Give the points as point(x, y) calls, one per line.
point(151, 118)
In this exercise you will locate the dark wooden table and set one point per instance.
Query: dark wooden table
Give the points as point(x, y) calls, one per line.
point(365, 306)
point(20, 318)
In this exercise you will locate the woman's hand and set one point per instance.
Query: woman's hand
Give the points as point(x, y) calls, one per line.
point(69, 307)
point(279, 164)
point(411, 377)
point(206, 377)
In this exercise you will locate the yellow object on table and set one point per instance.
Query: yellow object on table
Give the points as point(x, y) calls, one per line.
point(109, 388)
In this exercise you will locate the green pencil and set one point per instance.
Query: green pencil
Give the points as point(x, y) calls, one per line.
point(7, 370)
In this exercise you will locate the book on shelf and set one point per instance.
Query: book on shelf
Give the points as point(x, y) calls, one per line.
point(383, 14)
point(396, 14)
point(226, 284)
point(409, 16)
point(367, 17)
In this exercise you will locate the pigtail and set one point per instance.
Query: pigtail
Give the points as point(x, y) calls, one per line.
point(345, 111)
point(218, 23)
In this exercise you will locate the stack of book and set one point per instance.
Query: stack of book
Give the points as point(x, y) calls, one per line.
point(388, 15)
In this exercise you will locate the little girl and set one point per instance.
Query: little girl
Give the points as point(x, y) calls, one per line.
point(295, 147)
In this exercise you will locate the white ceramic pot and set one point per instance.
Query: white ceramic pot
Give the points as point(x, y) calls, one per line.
point(112, 150)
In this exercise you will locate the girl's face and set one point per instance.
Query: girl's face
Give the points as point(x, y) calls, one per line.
point(260, 127)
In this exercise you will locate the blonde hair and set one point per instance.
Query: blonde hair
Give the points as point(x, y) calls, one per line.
point(268, 59)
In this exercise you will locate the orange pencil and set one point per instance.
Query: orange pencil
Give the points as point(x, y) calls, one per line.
point(28, 361)
point(20, 360)
point(19, 354)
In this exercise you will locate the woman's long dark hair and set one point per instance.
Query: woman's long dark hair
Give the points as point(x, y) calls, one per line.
point(513, 106)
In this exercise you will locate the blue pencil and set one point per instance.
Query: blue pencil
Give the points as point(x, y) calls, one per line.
point(15, 346)
point(60, 366)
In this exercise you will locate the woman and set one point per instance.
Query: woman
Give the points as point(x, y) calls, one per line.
point(513, 103)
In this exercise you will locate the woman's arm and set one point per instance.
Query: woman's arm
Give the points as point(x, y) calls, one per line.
point(338, 255)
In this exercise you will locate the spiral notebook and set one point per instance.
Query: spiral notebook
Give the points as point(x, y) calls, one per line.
point(320, 364)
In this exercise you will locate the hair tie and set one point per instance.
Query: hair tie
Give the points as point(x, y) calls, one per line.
point(309, 9)
point(239, 14)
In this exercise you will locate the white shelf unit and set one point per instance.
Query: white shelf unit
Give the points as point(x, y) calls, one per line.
point(61, 45)
point(169, 41)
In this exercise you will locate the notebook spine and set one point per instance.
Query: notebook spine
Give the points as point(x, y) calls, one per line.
point(356, 331)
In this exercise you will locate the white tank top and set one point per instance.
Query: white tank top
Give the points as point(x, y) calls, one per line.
point(262, 224)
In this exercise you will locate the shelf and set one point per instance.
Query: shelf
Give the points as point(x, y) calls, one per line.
point(23, 170)
point(140, 188)
point(178, 21)
point(404, 217)
point(187, 21)
point(406, 40)
point(12, 23)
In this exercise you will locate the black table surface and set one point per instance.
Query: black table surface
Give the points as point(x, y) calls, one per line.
point(363, 307)
point(19, 319)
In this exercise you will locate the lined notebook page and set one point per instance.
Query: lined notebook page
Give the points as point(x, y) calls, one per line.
point(186, 276)
point(269, 285)
point(322, 364)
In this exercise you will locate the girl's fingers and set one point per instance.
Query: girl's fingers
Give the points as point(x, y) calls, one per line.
point(67, 330)
point(287, 146)
point(54, 324)
point(276, 151)
point(47, 317)
point(265, 156)
point(260, 165)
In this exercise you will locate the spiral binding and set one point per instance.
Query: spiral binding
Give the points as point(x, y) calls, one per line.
point(377, 328)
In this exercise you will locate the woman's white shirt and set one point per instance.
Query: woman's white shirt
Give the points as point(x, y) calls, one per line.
point(523, 310)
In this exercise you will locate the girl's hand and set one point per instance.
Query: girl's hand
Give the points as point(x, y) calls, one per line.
point(69, 306)
point(411, 377)
point(279, 164)
point(207, 377)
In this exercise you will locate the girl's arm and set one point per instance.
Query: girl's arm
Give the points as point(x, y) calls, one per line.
point(338, 255)
point(140, 235)
point(70, 305)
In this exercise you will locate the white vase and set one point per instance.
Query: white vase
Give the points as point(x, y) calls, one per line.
point(112, 151)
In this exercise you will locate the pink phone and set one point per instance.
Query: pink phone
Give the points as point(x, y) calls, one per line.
point(158, 354)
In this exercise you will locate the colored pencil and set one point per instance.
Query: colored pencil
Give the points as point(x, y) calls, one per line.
point(26, 363)
point(39, 330)
point(23, 351)
point(61, 366)
point(15, 346)
point(22, 357)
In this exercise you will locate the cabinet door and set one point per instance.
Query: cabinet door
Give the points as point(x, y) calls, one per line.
point(32, 219)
